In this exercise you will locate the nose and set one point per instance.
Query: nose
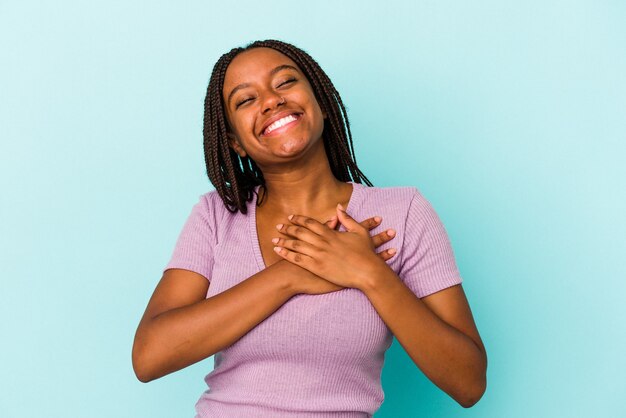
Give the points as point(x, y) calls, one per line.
point(271, 100)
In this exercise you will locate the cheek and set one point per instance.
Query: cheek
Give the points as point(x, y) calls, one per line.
point(320, 117)
point(230, 122)
point(239, 124)
point(315, 106)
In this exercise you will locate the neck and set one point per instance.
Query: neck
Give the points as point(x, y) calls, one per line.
point(304, 190)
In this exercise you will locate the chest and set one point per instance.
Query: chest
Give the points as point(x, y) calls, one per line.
point(266, 231)
point(244, 248)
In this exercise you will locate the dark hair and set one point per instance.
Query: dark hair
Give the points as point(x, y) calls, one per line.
point(234, 177)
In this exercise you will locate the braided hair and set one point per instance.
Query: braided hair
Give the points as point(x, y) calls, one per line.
point(235, 177)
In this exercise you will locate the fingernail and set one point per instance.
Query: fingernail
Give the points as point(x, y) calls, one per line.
point(279, 226)
point(290, 217)
point(275, 240)
point(277, 249)
point(391, 251)
point(340, 207)
point(391, 232)
point(377, 218)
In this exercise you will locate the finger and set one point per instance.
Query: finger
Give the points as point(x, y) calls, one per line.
point(309, 223)
point(383, 237)
point(302, 233)
point(296, 246)
point(332, 222)
point(387, 254)
point(371, 223)
point(301, 260)
point(347, 220)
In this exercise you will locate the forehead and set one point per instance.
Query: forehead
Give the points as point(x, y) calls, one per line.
point(253, 64)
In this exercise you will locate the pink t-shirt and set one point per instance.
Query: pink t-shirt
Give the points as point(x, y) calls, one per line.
point(317, 355)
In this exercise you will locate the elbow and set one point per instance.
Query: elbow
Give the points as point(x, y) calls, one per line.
point(476, 387)
point(469, 401)
point(473, 394)
point(141, 364)
point(143, 371)
point(142, 376)
point(140, 369)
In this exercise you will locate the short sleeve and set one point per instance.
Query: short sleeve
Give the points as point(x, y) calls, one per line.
point(428, 263)
point(195, 245)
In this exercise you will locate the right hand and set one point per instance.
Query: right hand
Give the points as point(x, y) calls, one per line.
point(311, 284)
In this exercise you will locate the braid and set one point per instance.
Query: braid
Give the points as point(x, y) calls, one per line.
point(235, 177)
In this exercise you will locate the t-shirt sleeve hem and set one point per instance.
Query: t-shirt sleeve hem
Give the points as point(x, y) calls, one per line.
point(438, 286)
point(196, 269)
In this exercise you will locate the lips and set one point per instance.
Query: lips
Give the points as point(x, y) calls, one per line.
point(276, 118)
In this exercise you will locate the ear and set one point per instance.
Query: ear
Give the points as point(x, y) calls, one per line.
point(233, 142)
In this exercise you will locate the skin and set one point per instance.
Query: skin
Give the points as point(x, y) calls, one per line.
point(303, 253)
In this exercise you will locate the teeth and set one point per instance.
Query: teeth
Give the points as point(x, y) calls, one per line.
point(279, 123)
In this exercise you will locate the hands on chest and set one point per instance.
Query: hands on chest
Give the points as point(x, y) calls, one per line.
point(345, 259)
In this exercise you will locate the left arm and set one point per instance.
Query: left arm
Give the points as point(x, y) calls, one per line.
point(437, 332)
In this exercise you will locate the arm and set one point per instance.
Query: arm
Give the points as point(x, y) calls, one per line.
point(437, 332)
point(180, 327)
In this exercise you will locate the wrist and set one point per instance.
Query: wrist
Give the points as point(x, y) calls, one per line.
point(287, 275)
point(377, 275)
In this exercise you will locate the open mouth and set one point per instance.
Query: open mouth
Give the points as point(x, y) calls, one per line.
point(282, 124)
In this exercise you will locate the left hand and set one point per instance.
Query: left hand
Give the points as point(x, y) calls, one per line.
point(347, 259)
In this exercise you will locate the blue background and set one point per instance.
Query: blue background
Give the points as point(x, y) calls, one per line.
point(508, 116)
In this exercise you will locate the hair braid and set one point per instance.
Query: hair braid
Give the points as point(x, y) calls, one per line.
point(235, 177)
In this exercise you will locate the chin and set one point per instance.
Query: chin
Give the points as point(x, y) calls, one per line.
point(291, 146)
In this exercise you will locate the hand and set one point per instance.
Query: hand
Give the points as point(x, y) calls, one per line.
point(306, 282)
point(346, 259)
point(378, 239)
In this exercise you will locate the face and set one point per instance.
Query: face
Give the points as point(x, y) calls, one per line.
point(271, 109)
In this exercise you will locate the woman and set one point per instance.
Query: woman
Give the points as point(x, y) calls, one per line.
point(299, 310)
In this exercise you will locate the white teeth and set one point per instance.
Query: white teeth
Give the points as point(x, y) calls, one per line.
point(279, 123)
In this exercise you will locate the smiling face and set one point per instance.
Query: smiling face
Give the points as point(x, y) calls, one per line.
point(271, 108)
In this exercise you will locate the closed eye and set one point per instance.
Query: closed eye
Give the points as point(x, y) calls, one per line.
point(242, 102)
point(291, 80)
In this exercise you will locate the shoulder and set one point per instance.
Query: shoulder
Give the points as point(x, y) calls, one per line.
point(209, 209)
point(212, 202)
point(402, 206)
point(214, 210)
point(395, 197)
point(210, 198)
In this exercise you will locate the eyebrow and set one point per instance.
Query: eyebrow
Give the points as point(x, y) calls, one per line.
point(274, 71)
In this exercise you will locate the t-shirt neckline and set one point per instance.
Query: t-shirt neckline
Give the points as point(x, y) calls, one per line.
point(252, 205)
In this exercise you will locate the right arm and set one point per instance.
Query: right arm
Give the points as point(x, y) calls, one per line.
point(181, 327)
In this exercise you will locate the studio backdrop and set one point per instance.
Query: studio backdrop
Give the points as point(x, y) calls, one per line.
point(508, 116)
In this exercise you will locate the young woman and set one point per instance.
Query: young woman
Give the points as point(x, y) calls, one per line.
point(285, 272)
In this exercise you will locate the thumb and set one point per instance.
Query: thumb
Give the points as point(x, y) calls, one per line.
point(332, 222)
point(346, 220)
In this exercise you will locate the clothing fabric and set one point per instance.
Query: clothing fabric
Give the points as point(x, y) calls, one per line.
point(317, 355)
